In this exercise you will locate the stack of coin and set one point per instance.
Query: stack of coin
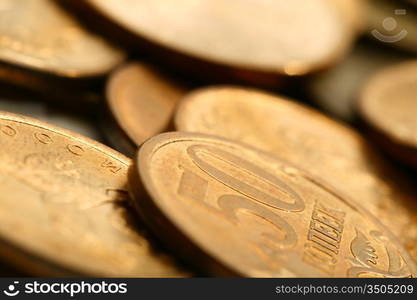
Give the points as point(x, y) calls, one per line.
point(234, 179)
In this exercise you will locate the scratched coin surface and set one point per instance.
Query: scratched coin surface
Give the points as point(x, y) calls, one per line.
point(141, 100)
point(261, 36)
point(38, 34)
point(235, 210)
point(324, 147)
point(63, 206)
point(388, 105)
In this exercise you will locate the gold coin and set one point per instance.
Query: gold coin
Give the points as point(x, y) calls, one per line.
point(389, 108)
point(141, 100)
point(240, 211)
point(353, 11)
point(39, 35)
point(324, 147)
point(250, 40)
point(64, 206)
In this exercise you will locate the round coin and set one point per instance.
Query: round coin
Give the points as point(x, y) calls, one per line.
point(39, 35)
point(64, 208)
point(326, 148)
point(235, 210)
point(388, 107)
point(141, 100)
point(251, 40)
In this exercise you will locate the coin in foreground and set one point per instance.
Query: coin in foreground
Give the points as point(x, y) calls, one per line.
point(39, 35)
point(388, 107)
point(243, 212)
point(258, 40)
point(64, 206)
point(326, 148)
point(141, 100)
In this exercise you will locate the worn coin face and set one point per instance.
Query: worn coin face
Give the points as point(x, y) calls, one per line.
point(246, 212)
point(142, 101)
point(267, 36)
point(324, 147)
point(38, 34)
point(389, 107)
point(63, 206)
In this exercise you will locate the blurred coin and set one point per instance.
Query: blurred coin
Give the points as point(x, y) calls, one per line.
point(324, 147)
point(337, 90)
point(244, 212)
point(252, 40)
point(392, 24)
point(39, 35)
point(354, 11)
point(64, 206)
point(389, 108)
point(141, 101)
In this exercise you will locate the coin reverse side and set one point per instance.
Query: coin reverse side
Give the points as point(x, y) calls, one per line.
point(39, 35)
point(388, 105)
point(324, 147)
point(268, 36)
point(240, 211)
point(63, 206)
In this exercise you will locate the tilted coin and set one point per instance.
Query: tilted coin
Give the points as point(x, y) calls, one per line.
point(237, 211)
point(141, 100)
point(336, 91)
point(388, 106)
point(324, 147)
point(392, 24)
point(63, 206)
point(250, 40)
point(39, 35)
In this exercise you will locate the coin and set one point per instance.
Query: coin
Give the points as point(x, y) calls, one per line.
point(257, 41)
point(326, 148)
point(388, 107)
point(392, 24)
point(141, 100)
point(39, 35)
point(64, 206)
point(336, 91)
point(353, 10)
point(244, 212)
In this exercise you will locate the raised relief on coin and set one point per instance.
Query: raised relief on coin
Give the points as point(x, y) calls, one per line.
point(39, 35)
point(64, 208)
point(141, 100)
point(267, 37)
point(252, 214)
point(388, 106)
point(324, 147)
